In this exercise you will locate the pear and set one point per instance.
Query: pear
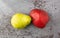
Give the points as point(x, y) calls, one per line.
point(20, 20)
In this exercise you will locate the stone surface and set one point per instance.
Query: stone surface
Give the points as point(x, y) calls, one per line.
point(10, 7)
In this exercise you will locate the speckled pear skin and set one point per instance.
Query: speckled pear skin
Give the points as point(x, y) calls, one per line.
point(20, 21)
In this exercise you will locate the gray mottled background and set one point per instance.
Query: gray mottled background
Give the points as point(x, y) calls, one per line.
point(10, 7)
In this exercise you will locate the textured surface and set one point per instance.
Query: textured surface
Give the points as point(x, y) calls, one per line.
point(9, 7)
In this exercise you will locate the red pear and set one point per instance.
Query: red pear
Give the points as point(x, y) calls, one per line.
point(39, 17)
